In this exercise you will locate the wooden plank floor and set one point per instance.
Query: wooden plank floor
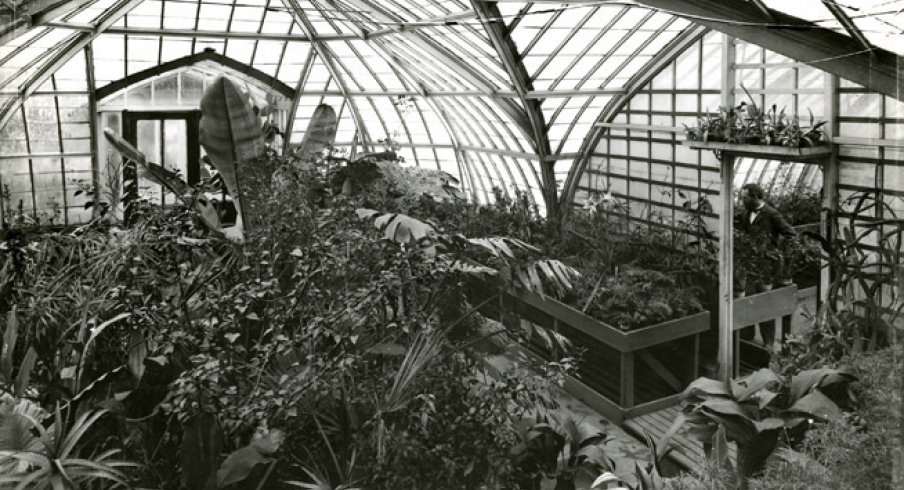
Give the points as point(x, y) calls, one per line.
point(687, 452)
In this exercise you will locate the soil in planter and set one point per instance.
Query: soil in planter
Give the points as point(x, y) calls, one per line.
point(635, 298)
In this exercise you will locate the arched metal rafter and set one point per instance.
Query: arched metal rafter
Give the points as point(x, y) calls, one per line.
point(75, 44)
point(520, 168)
point(621, 42)
point(668, 54)
point(403, 77)
point(60, 139)
point(448, 59)
point(326, 58)
point(361, 88)
point(383, 87)
point(299, 88)
point(462, 163)
point(577, 59)
point(618, 70)
point(533, 42)
point(260, 29)
point(39, 14)
point(411, 69)
point(565, 40)
point(345, 69)
point(469, 133)
point(500, 37)
point(229, 25)
point(405, 83)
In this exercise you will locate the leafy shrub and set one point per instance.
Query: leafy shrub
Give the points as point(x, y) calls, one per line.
point(799, 206)
point(316, 327)
point(633, 298)
point(858, 450)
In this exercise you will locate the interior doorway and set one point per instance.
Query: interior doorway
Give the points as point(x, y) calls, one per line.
point(167, 138)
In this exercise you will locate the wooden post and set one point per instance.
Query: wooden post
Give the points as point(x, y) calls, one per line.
point(726, 226)
point(627, 380)
point(726, 266)
point(829, 180)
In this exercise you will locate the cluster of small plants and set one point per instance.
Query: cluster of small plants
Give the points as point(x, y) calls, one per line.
point(749, 124)
point(633, 298)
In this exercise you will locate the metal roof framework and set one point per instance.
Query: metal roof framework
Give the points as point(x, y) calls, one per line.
point(502, 94)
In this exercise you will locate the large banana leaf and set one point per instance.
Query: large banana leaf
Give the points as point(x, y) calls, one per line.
point(172, 182)
point(812, 379)
point(149, 170)
point(321, 131)
point(231, 135)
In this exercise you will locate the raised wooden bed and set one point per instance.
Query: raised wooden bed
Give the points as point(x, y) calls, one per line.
point(777, 305)
point(766, 152)
point(623, 373)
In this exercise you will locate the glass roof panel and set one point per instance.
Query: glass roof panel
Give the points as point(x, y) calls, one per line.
point(426, 74)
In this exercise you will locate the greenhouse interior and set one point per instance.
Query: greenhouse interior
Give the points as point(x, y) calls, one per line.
point(451, 244)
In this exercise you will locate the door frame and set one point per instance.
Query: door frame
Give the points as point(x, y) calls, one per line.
point(192, 118)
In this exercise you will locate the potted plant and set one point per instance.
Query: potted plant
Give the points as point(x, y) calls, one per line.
point(747, 124)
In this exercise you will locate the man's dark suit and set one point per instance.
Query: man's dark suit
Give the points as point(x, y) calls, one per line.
point(768, 222)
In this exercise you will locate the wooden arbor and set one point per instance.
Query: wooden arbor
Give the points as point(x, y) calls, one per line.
point(727, 152)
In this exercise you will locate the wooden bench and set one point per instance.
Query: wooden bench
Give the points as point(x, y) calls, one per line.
point(623, 373)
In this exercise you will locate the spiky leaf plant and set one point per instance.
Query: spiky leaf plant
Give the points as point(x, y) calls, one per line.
point(51, 458)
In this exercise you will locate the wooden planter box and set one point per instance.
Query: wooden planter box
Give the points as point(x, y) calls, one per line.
point(778, 305)
point(766, 152)
point(623, 373)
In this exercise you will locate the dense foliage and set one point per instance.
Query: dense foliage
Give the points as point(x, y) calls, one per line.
point(316, 351)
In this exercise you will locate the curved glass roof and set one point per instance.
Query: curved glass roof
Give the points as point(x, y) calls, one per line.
point(500, 94)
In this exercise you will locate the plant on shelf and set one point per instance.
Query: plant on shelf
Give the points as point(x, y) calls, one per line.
point(749, 124)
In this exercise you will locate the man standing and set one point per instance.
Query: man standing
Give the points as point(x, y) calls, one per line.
point(763, 222)
point(761, 219)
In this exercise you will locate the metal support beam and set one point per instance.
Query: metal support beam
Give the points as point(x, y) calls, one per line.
point(508, 53)
point(93, 117)
point(326, 57)
point(447, 59)
point(40, 13)
point(302, 81)
point(876, 69)
point(830, 177)
point(640, 80)
point(75, 45)
point(848, 24)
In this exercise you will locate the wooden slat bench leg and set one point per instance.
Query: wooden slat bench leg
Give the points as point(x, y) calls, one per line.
point(627, 379)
